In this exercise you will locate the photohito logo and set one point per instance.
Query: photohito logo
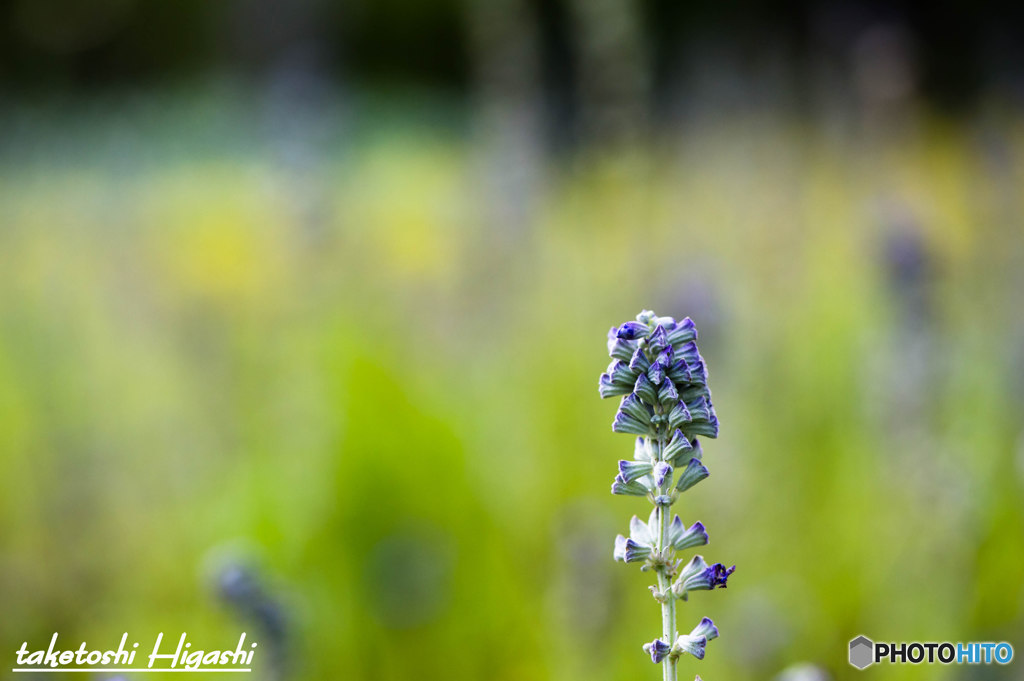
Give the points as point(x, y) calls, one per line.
point(864, 652)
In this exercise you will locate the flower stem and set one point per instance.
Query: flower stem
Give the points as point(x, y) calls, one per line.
point(668, 608)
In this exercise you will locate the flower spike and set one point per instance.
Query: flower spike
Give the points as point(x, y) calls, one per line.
point(662, 380)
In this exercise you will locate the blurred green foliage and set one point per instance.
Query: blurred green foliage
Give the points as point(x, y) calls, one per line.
point(391, 406)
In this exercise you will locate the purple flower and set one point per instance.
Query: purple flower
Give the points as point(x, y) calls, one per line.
point(679, 416)
point(689, 353)
point(633, 470)
point(609, 388)
point(645, 390)
point(694, 645)
point(694, 472)
point(703, 420)
point(659, 372)
point(698, 373)
point(619, 348)
point(631, 405)
point(629, 551)
point(639, 545)
point(682, 332)
point(619, 372)
point(706, 628)
point(624, 423)
point(630, 488)
point(658, 340)
point(639, 362)
point(657, 649)
point(705, 428)
point(679, 372)
point(656, 373)
point(700, 409)
point(631, 331)
point(682, 538)
point(678, 446)
point(699, 576)
point(662, 472)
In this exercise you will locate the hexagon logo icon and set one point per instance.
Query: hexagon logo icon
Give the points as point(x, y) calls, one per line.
point(862, 652)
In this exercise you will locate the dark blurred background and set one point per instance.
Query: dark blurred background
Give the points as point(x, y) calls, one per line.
point(955, 51)
point(303, 306)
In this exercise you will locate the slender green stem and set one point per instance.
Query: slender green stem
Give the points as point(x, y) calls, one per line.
point(668, 606)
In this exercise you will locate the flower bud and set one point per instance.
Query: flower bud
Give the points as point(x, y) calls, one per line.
point(667, 393)
point(645, 390)
point(679, 416)
point(624, 423)
point(632, 406)
point(666, 357)
point(700, 409)
point(662, 472)
point(689, 353)
point(704, 421)
point(607, 388)
point(627, 488)
point(679, 372)
point(638, 362)
point(705, 428)
point(683, 332)
point(694, 472)
point(694, 645)
point(677, 447)
point(656, 373)
point(658, 340)
point(620, 373)
point(706, 628)
point(619, 348)
point(681, 538)
point(698, 372)
point(633, 470)
point(629, 551)
point(657, 649)
point(632, 331)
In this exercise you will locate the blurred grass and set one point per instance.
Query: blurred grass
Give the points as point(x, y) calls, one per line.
point(391, 405)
